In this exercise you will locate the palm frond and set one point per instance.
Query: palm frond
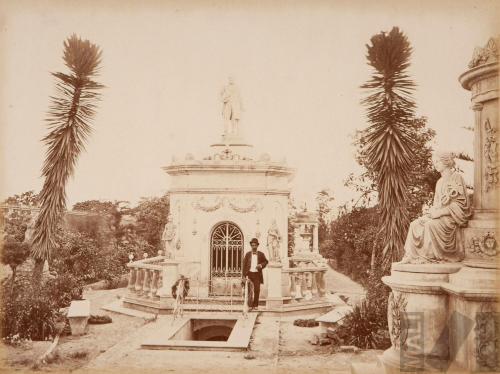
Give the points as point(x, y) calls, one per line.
point(388, 146)
point(69, 123)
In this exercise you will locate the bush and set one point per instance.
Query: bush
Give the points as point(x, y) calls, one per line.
point(363, 328)
point(351, 243)
point(80, 256)
point(27, 311)
point(63, 289)
point(31, 311)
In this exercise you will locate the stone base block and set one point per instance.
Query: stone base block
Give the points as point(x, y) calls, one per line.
point(471, 279)
point(273, 302)
point(78, 325)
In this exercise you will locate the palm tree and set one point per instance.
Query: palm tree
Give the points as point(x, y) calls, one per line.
point(387, 145)
point(69, 118)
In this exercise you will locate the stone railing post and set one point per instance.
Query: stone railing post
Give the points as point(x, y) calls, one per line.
point(170, 275)
point(274, 280)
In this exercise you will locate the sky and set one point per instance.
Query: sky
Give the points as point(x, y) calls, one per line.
point(298, 66)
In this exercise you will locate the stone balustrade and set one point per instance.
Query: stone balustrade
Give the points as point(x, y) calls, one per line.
point(145, 278)
point(306, 283)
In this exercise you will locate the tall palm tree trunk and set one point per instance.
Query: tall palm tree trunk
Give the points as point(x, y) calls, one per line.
point(69, 124)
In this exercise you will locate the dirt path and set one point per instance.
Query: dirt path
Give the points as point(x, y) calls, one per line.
point(341, 284)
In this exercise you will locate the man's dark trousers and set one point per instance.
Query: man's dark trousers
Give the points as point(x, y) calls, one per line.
point(255, 279)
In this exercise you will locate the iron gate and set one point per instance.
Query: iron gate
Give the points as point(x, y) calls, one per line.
point(226, 259)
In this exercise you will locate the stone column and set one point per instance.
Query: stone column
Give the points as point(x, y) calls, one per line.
point(473, 290)
point(480, 238)
point(274, 285)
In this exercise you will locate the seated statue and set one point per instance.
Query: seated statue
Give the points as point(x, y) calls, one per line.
point(435, 237)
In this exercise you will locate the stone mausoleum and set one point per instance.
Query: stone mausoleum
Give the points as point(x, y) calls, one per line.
point(217, 204)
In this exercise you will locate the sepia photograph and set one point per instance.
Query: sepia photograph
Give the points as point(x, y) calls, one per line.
point(217, 186)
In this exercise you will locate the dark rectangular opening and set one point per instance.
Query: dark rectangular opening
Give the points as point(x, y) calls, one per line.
point(205, 329)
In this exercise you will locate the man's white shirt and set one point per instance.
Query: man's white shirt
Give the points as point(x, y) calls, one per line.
point(253, 263)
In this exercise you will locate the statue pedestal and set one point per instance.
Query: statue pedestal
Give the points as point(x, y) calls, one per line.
point(274, 285)
point(418, 317)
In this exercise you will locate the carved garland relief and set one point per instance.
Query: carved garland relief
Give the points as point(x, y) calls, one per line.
point(487, 338)
point(251, 205)
point(397, 310)
point(490, 156)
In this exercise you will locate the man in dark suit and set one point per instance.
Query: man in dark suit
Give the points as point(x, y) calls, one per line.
point(253, 263)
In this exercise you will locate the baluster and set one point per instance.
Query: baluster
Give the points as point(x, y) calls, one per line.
point(131, 279)
point(306, 285)
point(314, 284)
point(299, 285)
point(160, 282)
point(138, 281)
point(321, 283)
point(147, 281)
point(154, 284)
point(293, 291)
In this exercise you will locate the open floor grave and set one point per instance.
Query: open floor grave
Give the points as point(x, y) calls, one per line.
point(202, 331)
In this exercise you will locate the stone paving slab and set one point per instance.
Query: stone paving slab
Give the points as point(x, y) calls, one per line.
point(117, 307)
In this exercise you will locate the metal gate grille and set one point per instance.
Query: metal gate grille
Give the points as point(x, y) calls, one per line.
point(226, 256)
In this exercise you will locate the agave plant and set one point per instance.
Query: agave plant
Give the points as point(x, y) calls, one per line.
point(69, 117)
point(387, 145)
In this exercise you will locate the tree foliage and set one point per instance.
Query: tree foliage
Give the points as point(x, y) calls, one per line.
point(151, 216)
point(351, 241)
point(324, 199)
point(69, 124)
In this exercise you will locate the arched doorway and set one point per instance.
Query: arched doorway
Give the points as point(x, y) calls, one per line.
point(226, 258)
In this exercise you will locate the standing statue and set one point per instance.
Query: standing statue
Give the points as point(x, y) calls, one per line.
point(168, 236)
point(273, 242)
point(433, 237)
point(231, 108)
point(30, 228)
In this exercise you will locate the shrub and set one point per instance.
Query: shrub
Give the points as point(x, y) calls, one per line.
point(77, 254)
point(363, 328)
point(31, 311)
point(63, 289)
point(27, 311)
point(14, 253)
point(351, 243)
